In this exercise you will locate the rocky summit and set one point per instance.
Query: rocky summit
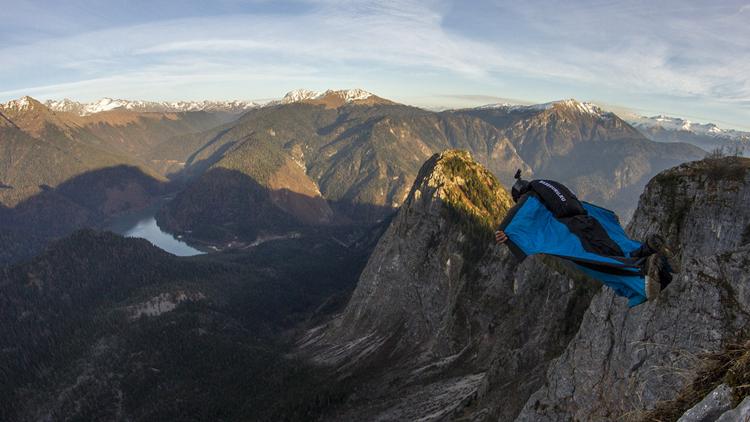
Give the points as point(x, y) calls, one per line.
point(439, 326)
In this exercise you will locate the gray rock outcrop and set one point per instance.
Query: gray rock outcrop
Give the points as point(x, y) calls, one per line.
point(623, 361)
point(741, 413)
point(716, 403)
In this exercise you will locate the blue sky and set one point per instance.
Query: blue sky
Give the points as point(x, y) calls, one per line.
point(682, 58)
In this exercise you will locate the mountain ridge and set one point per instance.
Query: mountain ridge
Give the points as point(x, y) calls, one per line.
point(681, 124)
point(597, 154)
point(708, 136)
point(366, 156)
point(363, 159)
point(340, 158)
point(107, 104)
point(330, 97)
point(580, 106)
point(70, 144)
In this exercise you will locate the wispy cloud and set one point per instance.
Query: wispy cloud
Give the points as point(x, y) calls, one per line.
point(607, 50)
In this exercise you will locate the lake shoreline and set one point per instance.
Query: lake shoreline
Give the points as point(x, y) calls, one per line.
point(142, 224)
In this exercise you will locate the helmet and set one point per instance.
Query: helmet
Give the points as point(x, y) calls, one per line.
point(519, 188)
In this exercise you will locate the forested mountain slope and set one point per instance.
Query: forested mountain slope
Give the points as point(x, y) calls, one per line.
point(101, 327)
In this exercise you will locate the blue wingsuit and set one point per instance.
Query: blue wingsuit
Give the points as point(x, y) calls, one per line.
point(549, 219)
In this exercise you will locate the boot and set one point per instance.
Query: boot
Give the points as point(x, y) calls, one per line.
point(657, 245)
point(653, 281)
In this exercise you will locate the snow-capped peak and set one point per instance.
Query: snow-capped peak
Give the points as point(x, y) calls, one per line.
point(581, 107)
point(107, 104)
point(712, 128)
point(672, 123)
point(506, 106)
point(233, 106)
point(300, 95)
point(353, 94)
point(677, 124)
point(348, 95)
point(21, 104)
point(66, 104)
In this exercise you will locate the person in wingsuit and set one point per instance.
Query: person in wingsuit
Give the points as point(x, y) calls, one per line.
point(549, 219)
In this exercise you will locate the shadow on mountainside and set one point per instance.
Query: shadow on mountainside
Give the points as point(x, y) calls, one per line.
point(225, 205)
point(207, 162)
point(90, 199)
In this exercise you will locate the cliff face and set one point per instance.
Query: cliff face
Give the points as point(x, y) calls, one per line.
point(442, 323)
point(445, 226)
point(624, 361)
point(701, 206)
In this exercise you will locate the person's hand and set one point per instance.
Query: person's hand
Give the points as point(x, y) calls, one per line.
point(500, 237)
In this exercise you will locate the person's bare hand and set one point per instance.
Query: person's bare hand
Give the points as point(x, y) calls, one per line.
point(500, 237)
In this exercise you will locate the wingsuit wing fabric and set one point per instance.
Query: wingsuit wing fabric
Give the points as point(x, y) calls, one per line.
point(533, 229)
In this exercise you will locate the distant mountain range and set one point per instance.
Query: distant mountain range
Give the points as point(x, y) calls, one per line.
point(600, 156)
point(107, 104)
point(704, 135)
point(349, 155)
point(658, 128)
point(312, 158)
point(356, 96)
point(60, 171)
point(360, 153)
point(46, 147)
point(582, 107)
